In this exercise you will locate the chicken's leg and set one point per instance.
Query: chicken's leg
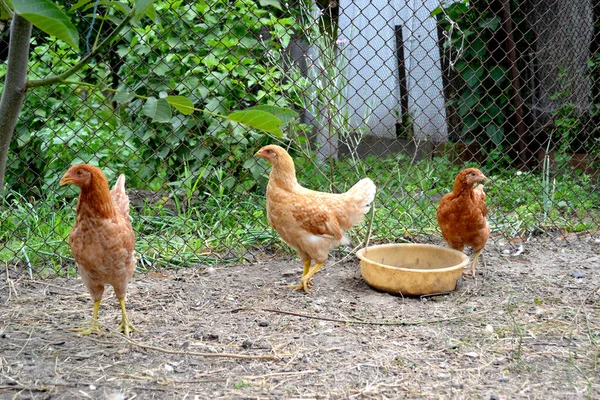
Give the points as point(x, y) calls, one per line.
point(126, 327)
point(94, 326)
point(306, 280)
point(474, 263)
point(306, 267)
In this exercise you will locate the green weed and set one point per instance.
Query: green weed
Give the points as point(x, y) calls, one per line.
point(216, 224)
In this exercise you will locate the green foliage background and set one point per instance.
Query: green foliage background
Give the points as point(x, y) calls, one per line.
point(218, 63)
point(202, 190)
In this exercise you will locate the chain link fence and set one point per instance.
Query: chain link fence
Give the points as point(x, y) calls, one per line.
point(407, 93)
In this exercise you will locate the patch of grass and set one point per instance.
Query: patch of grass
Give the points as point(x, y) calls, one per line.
point(34, 232)
point(213, 226)
point(241, 385)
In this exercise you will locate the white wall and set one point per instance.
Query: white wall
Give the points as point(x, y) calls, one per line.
point(372, 71)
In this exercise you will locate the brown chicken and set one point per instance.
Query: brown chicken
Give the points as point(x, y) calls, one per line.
point(311, 222)
point(462, 213)
point(102, 239)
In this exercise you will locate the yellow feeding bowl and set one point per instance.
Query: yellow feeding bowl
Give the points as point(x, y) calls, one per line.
point(411, 269)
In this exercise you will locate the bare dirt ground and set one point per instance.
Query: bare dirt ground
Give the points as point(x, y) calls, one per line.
point(526, 328)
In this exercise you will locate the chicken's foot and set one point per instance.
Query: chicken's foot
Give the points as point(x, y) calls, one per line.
point(94, 326)
point(306, 281)
point(126, 327)
point(304, 272)
point(301, 286)
point(474, 263)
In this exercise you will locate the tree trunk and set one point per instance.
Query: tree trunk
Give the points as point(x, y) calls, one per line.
point(14, 87)
point(563, 30)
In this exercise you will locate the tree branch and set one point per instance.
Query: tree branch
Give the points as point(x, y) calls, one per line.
point(6, 8)
point(15, 86)
point(84, 61)
point(359, 322)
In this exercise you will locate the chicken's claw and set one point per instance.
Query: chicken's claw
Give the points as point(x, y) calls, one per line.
point(470, 273)
point(93, 328)
point(126, 327)
point(306, 281)
point(303, 285)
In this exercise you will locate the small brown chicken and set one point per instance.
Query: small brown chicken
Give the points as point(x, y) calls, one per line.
point(462, 213)
point(102, 239)
point(311, 222)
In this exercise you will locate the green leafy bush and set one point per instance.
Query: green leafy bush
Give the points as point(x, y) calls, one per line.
point(117, 112)
point(218, 64)
point(482, 96)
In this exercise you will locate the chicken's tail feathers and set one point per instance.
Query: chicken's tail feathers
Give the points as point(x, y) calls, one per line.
point(360, 196)
point(119, 185)
point(363, 191)
point(119, 196)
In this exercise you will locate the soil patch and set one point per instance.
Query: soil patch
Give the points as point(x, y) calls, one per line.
point(527, 327)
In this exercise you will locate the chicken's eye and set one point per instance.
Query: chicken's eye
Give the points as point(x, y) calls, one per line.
point(79, 172)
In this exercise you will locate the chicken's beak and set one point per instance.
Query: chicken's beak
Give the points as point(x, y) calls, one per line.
point(482, 178)
point(259, 154)
point(66, 180)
